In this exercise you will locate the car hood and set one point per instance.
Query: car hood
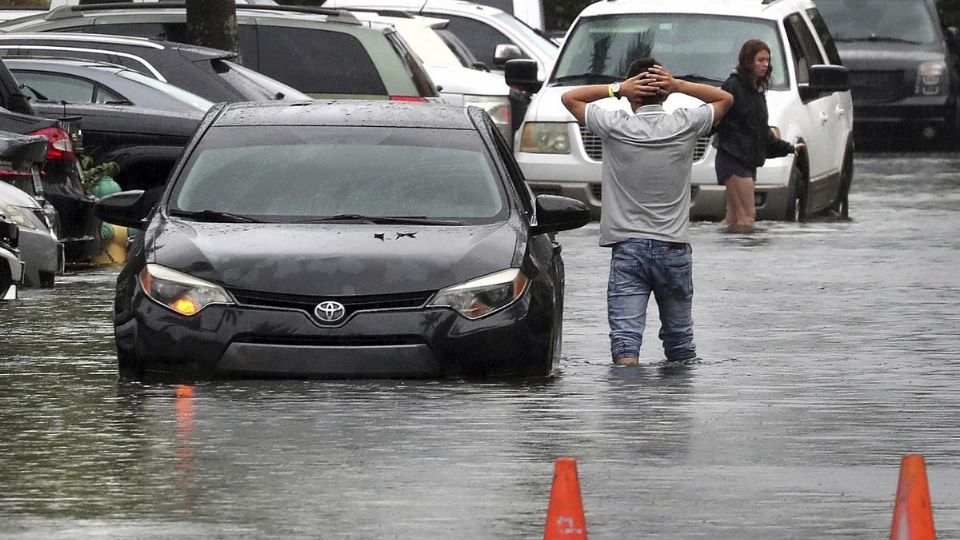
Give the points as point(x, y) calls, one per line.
point(886, 56)
point(459, 80)
point(547, 106)
point(331, 259)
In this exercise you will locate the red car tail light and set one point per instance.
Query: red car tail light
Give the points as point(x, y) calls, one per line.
point(61, 145)
point(413, 99)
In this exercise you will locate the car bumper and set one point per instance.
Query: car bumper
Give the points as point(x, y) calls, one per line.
point(42, 254)
point(915, 111)
point(416, 343)
point(576, 176)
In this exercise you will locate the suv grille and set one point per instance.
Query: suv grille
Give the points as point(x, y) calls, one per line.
point(879, 86)
point(594, 148)
point(352, 304)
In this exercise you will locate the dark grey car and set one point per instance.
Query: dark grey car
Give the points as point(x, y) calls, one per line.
point(903, 75)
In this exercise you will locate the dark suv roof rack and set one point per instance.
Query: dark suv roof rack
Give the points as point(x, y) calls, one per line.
point(335, 15)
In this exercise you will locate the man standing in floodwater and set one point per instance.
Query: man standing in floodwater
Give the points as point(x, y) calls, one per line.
point(647, 159)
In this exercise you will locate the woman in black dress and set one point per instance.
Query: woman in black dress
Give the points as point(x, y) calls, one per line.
point(744, 140)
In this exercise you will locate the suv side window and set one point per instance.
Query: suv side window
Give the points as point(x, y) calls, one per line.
point(482, 39)
point(803, 45)
point(318, 55)
point(825, 37)
point(163, 31)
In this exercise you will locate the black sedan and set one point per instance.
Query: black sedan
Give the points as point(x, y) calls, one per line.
point(343, 239)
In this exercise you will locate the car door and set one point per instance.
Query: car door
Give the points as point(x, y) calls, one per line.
point(843, 105)
point(815, 118)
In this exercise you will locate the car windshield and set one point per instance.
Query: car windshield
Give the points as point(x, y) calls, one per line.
point(698, 47)
point(170, 90)
point(905, 21)
point(530, 36)
point(311, 173)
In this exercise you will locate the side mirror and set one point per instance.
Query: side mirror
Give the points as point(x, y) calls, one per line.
point(522, 75)
point(825, 79)
point(556, 213)
point(952, 36)
point(505, 52)
point(127, 209)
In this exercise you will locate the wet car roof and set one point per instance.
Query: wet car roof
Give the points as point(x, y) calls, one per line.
point(346, 113)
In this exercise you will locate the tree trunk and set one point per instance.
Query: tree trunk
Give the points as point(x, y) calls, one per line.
point(213, 23)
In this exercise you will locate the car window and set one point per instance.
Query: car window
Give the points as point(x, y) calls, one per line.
point(879, 20)
point(530, 36)
point(803, 45)
point(172, 91)
point(288, 173)
point(318, 61)
point(171, 31)
point(826, 39)
point(421, 80)
point(53, 87)
point(481, 38)
point(701, 47)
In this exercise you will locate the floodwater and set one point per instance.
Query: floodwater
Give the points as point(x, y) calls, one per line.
point(829, 352)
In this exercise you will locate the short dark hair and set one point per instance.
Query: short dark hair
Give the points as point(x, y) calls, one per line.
point(639, 66)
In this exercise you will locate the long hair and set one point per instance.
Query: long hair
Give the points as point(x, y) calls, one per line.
point(748, 52)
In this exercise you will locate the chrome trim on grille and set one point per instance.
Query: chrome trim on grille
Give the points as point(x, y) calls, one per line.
point(593, 148)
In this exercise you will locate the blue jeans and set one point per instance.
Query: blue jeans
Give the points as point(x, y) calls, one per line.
point(637, 268)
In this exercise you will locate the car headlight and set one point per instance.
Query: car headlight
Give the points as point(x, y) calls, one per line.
point(545, 138)
point(179, 292)
point(930, 77)
point(23, 217)
point(498, 107)
point(483, 296)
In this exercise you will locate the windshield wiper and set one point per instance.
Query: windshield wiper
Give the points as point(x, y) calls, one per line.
point(693, 77)
point(392, 220)
point(587, 77)
point(214, 216)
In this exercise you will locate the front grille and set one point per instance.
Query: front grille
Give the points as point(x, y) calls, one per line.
point(594, 148)
point(333, 341)
point(352, 304)
point(879, 86)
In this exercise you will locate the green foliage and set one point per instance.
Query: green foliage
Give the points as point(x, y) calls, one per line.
point(92, 174)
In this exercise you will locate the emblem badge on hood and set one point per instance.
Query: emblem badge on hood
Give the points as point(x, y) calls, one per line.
point(329, 311)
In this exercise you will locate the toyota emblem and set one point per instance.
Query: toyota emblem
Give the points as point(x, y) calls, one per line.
point(329, 311)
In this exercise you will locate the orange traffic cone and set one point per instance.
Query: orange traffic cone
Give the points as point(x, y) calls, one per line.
point(912, 515)
point(565, 519)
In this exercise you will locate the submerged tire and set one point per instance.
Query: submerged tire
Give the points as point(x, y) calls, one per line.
point(796, 196)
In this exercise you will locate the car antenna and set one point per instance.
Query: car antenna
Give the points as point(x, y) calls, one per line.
point(424, 6)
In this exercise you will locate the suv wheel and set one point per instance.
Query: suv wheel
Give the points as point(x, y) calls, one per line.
point(6, 280)
point(841, 206)
point(796, 196)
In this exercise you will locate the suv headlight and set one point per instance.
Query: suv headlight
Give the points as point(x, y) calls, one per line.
point(545, 138)
point(498, 107)
point(930, 78)
point(483, 296)
point(179, 292)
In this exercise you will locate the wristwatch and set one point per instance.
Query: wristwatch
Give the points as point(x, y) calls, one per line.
point(614, 90)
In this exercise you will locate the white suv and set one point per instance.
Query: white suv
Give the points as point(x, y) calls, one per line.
point(699, 40)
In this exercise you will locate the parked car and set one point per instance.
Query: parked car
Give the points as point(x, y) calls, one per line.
point(493, 35)
point(11, 267)
point(144, 143)
point(808, 99)
point(903, 74)
point(207, 72)
point(40, 250)
point(61, 176)
point(21, 161)
point(63, 80)
point(351, 241)
point(458, 83)
point(323, 53)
